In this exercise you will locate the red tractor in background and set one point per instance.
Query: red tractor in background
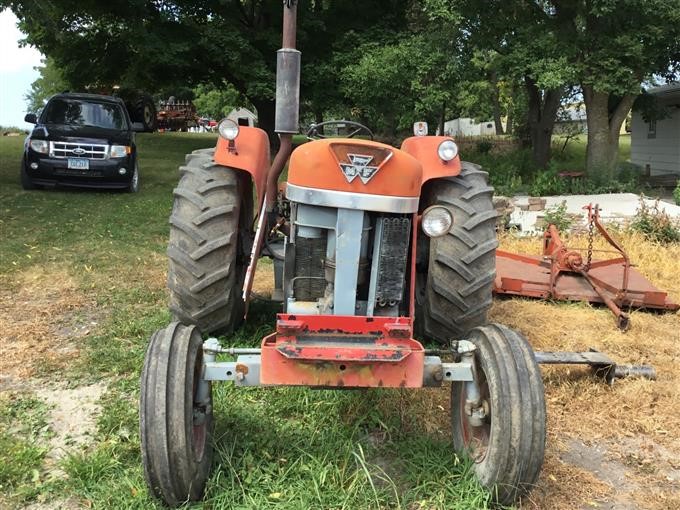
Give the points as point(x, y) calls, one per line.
point(372, 245)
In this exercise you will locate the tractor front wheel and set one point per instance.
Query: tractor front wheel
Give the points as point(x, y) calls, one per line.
point(176, 419)
point(503, 432)
point(456, 271)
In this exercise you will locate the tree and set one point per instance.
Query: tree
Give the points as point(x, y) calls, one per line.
point(51, 81)
point(397, 83)
point(520, 43)
point(153, 45)
point(616, 45)
point(216, 103)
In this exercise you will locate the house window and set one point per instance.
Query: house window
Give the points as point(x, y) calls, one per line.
point(651, 133)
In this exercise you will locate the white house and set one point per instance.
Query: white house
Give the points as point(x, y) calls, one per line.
point(468, 127)
point(655, 145)
point(243, 117)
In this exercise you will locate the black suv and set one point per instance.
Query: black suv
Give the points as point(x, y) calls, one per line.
point(83, 140)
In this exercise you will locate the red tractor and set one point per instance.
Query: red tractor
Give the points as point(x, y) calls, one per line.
point(372, 245)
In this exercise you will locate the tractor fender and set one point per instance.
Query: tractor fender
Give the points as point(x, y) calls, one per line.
point(250, 153)
point(424, 149)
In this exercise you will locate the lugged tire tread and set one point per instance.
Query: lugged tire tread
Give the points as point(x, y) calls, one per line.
point(203, 246)
point(462, 264)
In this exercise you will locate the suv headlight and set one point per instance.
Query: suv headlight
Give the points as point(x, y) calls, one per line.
point(40, 146)
point(436, 221)
point(120, 151)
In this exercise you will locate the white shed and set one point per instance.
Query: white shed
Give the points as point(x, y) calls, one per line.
point(468, 127)
point(243, 117)
point(655, 145)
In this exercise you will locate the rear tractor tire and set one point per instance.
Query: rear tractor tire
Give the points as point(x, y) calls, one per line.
point(209, 232)
point(454, 290)
point(507, 445)
point(176, 425)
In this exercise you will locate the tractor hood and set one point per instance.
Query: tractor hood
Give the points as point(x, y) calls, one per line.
point(355, 166)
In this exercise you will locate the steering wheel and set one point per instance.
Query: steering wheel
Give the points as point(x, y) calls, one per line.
point(313, 131)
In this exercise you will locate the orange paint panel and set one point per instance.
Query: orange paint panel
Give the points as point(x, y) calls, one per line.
point(250, 153)
point(319, 164)
point(424, 149)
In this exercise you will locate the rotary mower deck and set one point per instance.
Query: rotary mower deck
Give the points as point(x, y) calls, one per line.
point(561, 273)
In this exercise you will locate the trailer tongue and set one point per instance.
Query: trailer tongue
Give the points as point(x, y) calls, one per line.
point(561, 273)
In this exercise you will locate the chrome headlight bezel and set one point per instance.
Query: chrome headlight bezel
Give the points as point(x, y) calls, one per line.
point(228, 129)
point(436, 221)
point(447, 150)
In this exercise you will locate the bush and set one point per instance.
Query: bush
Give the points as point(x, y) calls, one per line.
point(557, 215)
point(676, 194)
point(655, 224)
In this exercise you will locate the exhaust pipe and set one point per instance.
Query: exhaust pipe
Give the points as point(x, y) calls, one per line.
point(287, 99)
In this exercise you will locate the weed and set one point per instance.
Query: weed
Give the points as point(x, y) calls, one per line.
point(557, 215)
point(676, 194)
point(655, 224)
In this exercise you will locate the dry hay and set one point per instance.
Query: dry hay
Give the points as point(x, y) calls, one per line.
point(41, 311)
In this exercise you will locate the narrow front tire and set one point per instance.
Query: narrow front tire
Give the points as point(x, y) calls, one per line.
point(175, 428)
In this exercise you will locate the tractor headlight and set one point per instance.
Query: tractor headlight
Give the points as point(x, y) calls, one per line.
point(447, 150)
point(228, 129)
point(40, 146)
point(436, 221)
point(120, 151)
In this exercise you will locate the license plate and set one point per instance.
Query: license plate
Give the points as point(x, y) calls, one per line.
point(78, 164)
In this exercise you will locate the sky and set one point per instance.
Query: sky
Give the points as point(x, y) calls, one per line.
point(16, 72)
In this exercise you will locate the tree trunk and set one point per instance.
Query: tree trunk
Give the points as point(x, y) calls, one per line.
point(265, 119)
point(543, 107)
point(604, 125)
point(495, 98)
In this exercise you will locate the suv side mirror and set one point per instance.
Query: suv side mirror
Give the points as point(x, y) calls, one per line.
point(138, 127)
point(31, 118)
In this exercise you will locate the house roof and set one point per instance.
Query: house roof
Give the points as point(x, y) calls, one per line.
point(670, 90)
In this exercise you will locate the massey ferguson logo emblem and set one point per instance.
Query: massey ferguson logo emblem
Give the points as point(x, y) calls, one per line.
point(358, 166)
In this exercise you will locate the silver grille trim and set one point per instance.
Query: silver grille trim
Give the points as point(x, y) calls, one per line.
point(78, 150)
point(347, 200)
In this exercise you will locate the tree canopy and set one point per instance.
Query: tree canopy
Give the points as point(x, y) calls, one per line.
point(387, 63)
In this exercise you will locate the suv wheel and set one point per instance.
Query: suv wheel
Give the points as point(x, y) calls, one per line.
point(134, 182)
point(26, 181)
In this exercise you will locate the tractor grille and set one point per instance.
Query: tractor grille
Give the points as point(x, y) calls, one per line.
point(310, 282)
point(393, 255)
point(78, 150)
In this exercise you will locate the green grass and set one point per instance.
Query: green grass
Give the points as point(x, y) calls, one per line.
point(287, 448)
point(23, 437)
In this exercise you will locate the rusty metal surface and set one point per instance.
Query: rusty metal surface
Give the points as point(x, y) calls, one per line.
point(601, 364)
point(342, 351)
point(561, 273)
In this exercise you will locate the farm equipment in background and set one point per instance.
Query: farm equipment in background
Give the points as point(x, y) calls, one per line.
point(561, 273)
point(176, 115)
point(139, 104)
point(370, 244)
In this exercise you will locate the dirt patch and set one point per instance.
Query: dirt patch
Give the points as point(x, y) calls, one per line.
point(73, 416)
point(42, 315)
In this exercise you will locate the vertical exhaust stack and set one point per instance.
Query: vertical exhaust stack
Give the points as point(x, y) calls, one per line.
point(287, 98)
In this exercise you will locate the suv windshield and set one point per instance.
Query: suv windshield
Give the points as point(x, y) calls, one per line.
point(84, 113)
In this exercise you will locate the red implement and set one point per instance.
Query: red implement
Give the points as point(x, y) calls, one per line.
point(562, 273)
